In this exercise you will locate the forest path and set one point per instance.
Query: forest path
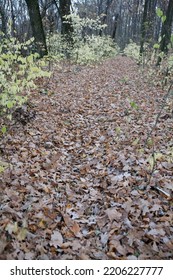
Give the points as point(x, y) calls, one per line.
point(76, 187)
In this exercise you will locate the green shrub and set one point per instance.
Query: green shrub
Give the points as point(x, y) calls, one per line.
point(17, 74)
point(57, 46)
point(88, 46)
point(132, 50)
point(94, 49)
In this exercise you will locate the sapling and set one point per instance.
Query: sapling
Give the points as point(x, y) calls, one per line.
point(17, 75)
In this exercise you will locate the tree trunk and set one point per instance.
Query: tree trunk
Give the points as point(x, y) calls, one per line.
point(66, 26)
point(105, 14)
point(166, 28)
point(13, 30)
point(37, 27)
point(3, 21)
point(115, 26)
point(151, 21)
point(144, 26)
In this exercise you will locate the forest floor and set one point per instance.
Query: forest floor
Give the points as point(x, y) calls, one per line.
point(86, 179)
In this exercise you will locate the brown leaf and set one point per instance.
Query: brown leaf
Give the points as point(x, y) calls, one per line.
point(156, 232)
point(56, 239)
point(3, 243)
point(116, 246)
point(72, 225)
point(113, 214)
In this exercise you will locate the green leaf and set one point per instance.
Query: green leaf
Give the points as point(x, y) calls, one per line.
point(1, 169)
point(133, 105)
point(156, 46)
point(163, 18)
point(159, 12)
point(4, 129)
point(9, 104)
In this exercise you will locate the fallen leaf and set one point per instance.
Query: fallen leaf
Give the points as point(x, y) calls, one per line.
point(113, 214)
point(56, 239)
point(72, 225)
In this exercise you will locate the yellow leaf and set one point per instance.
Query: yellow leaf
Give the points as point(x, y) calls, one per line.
point(151, 162)
point(51, 93)
point(149, 142)
point(158, 156)
point(42, 224)
point(135, 142)
point(118, 130)
point(22, 234)
point(141, 151)
point(1, 169)
point(12, 228)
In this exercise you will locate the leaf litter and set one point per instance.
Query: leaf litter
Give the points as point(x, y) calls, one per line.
point(79, 183)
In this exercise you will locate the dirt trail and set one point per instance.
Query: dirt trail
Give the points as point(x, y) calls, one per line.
point(76, 188)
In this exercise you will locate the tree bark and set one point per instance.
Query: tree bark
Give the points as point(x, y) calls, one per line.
point(3, 20)
point(37, 27)
point(115, 26)
point(166, 28)
point(143, 26)
point(105, 12)
point(66, 26)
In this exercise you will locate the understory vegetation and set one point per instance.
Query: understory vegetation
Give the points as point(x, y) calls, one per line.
point(84, 48)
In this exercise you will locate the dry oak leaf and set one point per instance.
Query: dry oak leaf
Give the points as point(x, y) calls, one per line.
point(56, 239)
point(3, 243)
point(72, 225)
point(114, 245)
point(168, 242)
point(113, 214)
point(156, 232)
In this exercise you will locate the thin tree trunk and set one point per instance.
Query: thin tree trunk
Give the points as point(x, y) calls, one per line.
point(66, 27)
point(3, 21)
point(13, 19)
point(166, 30)
point(143, 26)
point(37, 27)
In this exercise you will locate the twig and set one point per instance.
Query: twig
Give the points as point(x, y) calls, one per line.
point(152, 129)
point(160, 112)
